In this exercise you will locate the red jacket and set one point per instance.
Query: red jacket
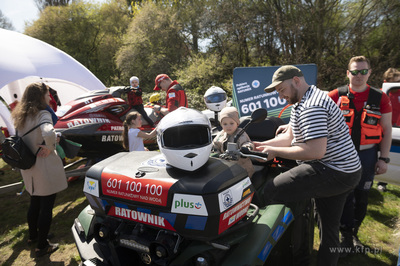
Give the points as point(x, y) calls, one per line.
point(135, 97)
point(176, 96)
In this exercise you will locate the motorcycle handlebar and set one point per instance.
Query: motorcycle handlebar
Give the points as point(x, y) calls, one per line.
point(246, 152)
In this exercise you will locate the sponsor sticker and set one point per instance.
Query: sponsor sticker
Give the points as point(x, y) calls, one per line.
point(265, 251)
point(91, 186)
point(117, 128)
point(255, 84)
point(111, 138)
point(141, 217)
point(232, 195)
point(171, 95)
point(90, 120)
point(189, 204)
point(233, 215)
point(157, 161)
point(150, 191)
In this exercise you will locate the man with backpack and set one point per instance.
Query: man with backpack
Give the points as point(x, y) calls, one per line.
point(368, 113)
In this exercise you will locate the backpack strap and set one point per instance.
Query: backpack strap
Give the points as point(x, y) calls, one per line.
point(32, 129)
point(374, 99)
point(343, 90)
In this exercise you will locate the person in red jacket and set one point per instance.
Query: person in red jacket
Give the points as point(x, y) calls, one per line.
point(392, 75)
point(368, 114)
point(176, 96)
point(135, 99)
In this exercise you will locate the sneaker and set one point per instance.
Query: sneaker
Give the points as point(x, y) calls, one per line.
point(382, 188)
point(32, 241)
point(51, 247)
point(357, 243)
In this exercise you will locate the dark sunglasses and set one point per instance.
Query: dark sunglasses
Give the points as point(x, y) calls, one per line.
point(362, 71)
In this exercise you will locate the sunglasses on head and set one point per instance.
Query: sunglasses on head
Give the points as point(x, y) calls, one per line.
point(362, 71)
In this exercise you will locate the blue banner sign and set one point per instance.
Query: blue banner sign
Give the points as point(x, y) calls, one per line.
point(249, 84)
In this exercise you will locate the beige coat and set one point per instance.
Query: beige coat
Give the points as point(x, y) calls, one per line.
point(219, 147)
point(47, 176)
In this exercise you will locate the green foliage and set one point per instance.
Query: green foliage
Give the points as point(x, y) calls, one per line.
point(201, 73)
point(200, 42)
point(89, 33)
point(153, 44)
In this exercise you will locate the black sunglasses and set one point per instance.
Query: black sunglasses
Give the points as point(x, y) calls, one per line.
point(362, 71)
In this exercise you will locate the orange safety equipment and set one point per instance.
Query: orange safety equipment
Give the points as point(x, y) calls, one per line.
point(364, 125)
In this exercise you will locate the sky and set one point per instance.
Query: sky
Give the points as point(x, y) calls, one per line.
point(21, 11)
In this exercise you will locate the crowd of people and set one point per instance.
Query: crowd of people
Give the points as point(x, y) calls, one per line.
point(175, 98)
point(340, 140)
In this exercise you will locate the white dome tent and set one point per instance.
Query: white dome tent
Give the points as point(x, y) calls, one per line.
point(24, 60)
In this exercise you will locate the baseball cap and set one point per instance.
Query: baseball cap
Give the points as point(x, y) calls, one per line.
point(281, 74)
point(160, 78)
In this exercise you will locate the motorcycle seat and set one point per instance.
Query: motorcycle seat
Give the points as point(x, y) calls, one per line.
point(262, 131)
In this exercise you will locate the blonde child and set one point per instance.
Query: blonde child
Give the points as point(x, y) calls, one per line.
point(229, 119)
point(132, 136)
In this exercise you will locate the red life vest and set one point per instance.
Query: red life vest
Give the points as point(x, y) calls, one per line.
point(365, 125)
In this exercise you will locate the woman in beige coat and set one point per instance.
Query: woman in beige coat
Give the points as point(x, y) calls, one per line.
point(47, 176)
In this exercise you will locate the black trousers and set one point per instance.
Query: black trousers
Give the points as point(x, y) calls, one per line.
point(40, 215)
point(140, 109)
point(355, 208)
point(328, 187)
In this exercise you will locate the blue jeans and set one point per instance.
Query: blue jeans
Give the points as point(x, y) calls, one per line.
point(328, 187)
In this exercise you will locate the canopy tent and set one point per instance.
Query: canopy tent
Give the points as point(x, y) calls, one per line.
point(24, 59)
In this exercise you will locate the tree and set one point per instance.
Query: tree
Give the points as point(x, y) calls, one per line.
point(42, 4)
point(5, 23)
point(201, 72)
point(152, 45)
point(90, 33)
point(382, 42)
point(167, 36)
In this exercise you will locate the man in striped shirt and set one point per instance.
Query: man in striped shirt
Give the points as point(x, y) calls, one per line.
point(329, 167)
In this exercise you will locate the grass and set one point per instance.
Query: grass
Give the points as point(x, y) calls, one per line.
point(14, 229)
point(377, 231)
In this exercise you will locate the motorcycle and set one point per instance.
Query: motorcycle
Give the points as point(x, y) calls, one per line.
point(95, 120)
point(144, 212)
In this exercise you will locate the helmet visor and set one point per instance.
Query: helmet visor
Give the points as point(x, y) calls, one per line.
point(186, 137)
point(215, 98)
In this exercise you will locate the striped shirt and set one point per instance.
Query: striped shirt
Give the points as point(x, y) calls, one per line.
point(317, 116)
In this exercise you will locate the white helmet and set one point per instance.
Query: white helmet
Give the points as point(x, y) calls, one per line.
point(184, 137)
point(215, 98)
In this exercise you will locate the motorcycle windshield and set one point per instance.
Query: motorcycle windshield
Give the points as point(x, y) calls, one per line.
point(186, 137)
